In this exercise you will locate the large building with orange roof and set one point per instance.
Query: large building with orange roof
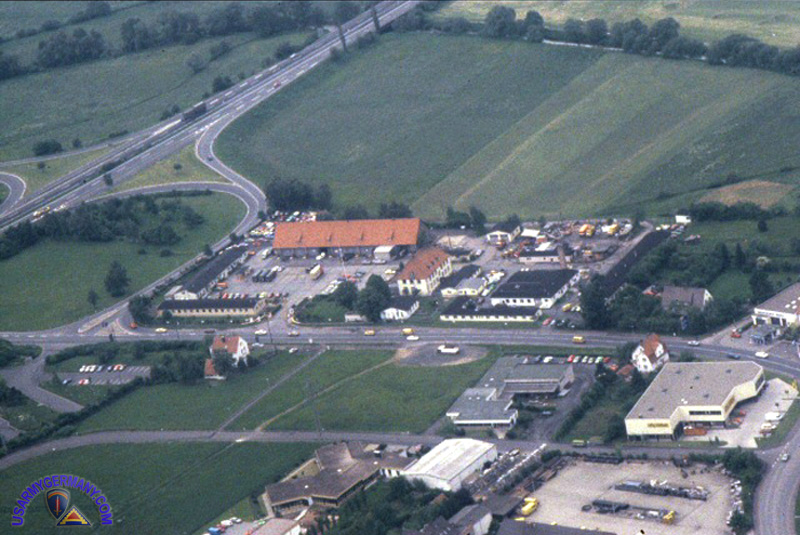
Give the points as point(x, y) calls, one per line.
point(359, 237)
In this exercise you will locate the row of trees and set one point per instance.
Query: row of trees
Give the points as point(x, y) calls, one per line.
point(139, 218)
point(172, 27)
point(662, 38)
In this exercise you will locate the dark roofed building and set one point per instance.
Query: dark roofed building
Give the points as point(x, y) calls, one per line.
point(681, 298)
point(400, 308)
point(618, 275)
point(512, 527)
point(537, 288)
point(241, 307)
point(344, 468)
point(215, 270)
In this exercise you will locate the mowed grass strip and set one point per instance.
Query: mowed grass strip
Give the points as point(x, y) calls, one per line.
point(327, 370)
point(511, 126)
point(93, 100)
point(200, 406)
point(48, 284)
point(392, 398)
point(36, 178)
point(155, 488)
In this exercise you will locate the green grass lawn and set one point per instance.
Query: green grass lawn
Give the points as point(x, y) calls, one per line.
point(28, 417)
point(155, 488)
point(392, 398)
point(772, 21)
point(35, 178)
point(92, 100)
point(465, 120)
point(202, 406)
point(321, 309)
point(48, 284)
point(327, 370)
point(164, 172)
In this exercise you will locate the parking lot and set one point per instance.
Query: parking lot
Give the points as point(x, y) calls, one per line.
point(295, 281)
point(562, 498)
point(777, 397)
point(105, 377)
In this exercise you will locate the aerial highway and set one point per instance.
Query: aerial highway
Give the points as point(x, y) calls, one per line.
point(145, 148)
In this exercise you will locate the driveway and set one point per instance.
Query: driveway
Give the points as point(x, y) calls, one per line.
point(26, 379)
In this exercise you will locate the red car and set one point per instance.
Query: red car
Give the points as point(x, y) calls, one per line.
point(736, 334)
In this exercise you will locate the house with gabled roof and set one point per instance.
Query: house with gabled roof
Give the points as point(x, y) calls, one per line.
point(650, 355)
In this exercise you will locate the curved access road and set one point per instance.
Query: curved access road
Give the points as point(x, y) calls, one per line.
point(16, 189)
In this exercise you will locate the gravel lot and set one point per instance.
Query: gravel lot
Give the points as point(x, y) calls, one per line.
point(562, 497)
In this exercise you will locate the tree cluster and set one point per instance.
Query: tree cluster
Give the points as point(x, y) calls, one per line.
point(369, 302)
point(717, 211)
point(291, 195)
point(47, 146)
point(391, 505)
point(10, 396)
point(474, 219)
point(138, 218)
point(10, 352)
point(63, 49)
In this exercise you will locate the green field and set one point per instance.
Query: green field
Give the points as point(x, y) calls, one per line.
point(48, 284)
point(36, 178)
point(327, 370)
point(164, 172)
point(392, 398)
point(155, 488)
point(517, 127)
point(202, 406)
point(28, 417)
point(92, 100)
point(772, 21)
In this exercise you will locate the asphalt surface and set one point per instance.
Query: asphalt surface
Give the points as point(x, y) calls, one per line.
point(16, 187)
point(774, 505)
point(145, 148)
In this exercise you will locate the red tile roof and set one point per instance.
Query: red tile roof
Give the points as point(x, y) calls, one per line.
point(650, 345)
point(358, 233)
point(423, 265)
point(625, 371)
point(209, 370)
point(225, 343)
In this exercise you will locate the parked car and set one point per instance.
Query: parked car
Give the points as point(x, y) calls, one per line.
point(784, 457)
point(66, 381)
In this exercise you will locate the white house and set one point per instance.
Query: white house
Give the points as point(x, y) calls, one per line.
point(424, 272)
point(505, 232)
point(400, 308)
point(235, 346)
point(650, 355)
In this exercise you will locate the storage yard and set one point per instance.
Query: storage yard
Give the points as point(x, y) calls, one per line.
point(636, 495)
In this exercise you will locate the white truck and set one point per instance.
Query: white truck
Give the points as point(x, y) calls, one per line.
point(447, 349)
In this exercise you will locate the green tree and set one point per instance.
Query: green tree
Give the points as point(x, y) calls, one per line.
point(223, 362)
point(117, 280)
point(739, 258)
point(346, 295)
point(723, 255)
point(478, 220)
point(762, 225)
point(373, 299)
point(593, 305)
point(500, 21)
point(92, 298)
point(760, 286)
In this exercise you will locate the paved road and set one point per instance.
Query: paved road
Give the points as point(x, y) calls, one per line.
point(27, 378)
point(16, 187)
point(161, 140)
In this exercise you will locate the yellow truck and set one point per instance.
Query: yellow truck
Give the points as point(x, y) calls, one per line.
point(530, 505)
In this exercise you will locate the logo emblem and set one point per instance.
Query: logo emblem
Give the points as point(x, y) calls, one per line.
point(57, 502)
point(73, 518)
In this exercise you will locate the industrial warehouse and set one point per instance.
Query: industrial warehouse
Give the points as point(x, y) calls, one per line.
point(700, 393)
point(488, 404)
point(359, 237)
point(450, 463)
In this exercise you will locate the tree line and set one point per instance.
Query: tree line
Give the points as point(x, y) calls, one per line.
point(662, 38)
point(172, 27)
point(289, 195)
point(139, 218)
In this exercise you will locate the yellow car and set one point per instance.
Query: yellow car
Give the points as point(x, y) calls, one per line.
point(161, 330)
point(369, 332)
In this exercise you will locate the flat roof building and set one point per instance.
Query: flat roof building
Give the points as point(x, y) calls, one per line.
point(683, 393)
point(781, 311)
point(451, 462)
point(535, 288)
point(464, 308)
point(358, 236)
